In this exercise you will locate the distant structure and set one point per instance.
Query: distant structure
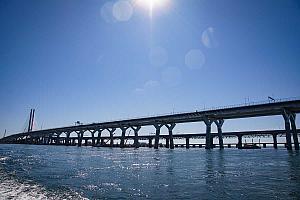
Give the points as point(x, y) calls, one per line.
point(31, 120)
point(4, 133)
point(287, 108)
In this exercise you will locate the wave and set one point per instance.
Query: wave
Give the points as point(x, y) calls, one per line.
point(12, 188)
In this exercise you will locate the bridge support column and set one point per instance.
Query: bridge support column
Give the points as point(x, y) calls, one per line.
point(150, 142)
point(123, 129)
point(93, 137)
point(136, 136)
point(99, 136)
point(68, 138)
point(57, 141)
point(167, 143)
point(49, 140)
point(286, 116)
point(73, 141)
point(157, 127)
point(240, 142)
point(187, 142)
point(219, 124)
point(31, 140)
point(80, 136)
point(275, 141)
point(111, 136)
point(208, 139)
point(294, 131)
point(170, 129)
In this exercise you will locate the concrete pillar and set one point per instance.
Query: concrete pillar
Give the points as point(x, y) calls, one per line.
point(73, 141)
point(111, 136)
point(68, 138)
point(93, 137)
point(294, 131)
point(240, 142)
point(187, 142)
point(123, 129)
point(102, 142)
point(167, 143)
point(150, 142)
point(170, 129)
point(49, 140)
point(208, 141)
point(157, 127)
point(219, 124)
point(80, 136)
point(44, 140)
point(136, 136)
point(99, 135)
point(275, 141)
point(57, 139)
point(286, 117)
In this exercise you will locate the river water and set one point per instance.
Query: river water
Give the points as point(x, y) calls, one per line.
point(59, 172)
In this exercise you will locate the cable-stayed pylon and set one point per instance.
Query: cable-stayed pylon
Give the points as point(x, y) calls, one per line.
point(31, 120)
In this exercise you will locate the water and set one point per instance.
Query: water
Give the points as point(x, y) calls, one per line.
point(58, 172)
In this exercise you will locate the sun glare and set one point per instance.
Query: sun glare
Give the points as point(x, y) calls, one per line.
point(152, 4)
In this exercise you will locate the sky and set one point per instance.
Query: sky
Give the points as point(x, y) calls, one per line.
point(98, 60)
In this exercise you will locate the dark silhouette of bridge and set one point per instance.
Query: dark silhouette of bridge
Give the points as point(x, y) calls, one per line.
point(288, 109)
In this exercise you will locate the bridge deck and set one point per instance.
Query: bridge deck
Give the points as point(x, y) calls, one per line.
point(246, 111)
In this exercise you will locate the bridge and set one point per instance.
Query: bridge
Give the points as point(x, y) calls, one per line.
point(217, 116)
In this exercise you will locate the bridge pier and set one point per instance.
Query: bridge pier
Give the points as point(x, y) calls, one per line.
point(150, 142)
point(111, 135)
point(57, 139)
point(187, 142)
point(170, 128)
point(294, 131)
point(167, 143)
point(240, 142)
point(31, 140)
point(286, 116)
point(136, 136)
point(274, 140)
point(157, 127)
point(208, 138)
point(219, 124)
point(93, 137)
point(44, 140)
point(99, 136)
point(80, 136)
point(68, 138)
point(48, 140)
point(123, 129)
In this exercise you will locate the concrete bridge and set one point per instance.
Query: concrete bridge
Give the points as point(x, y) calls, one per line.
point(287, 109)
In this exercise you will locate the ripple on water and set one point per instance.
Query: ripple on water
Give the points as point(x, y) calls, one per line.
point(146, 173)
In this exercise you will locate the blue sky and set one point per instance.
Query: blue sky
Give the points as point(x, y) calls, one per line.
point(98, 60)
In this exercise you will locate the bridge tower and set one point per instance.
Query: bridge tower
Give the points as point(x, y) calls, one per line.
point(31, 120)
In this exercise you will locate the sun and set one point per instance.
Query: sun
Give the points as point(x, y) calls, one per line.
point(152, 4)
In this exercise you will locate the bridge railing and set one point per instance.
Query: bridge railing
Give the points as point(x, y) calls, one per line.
point(252, 103)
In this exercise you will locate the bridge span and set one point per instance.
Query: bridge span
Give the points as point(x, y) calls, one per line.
point(286, 109)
